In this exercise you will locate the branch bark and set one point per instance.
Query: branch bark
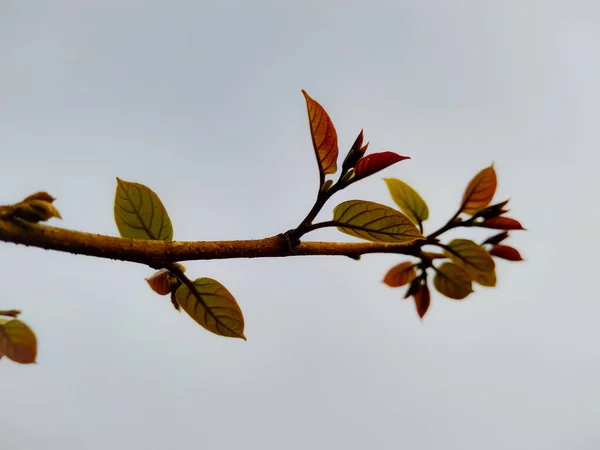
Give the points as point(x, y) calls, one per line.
point(158, 254)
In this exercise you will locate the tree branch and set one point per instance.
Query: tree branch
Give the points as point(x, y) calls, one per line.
point(158, 254)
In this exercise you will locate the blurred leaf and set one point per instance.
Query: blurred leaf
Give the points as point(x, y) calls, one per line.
point(496, 239)
point(374, 222)
point(139, 213)
point(35, 208)
point(502, 223)
point(370, 164)
point(17, 341)
point(400, 275)
point(422, 300)
point(211, 305)
point(162, 282)
point(480, 191)
point(324, 137)
point(506, 252)
point(433, 255)
point(414, 287)
point(471, 256)
point(408, 200)
point(452, 281)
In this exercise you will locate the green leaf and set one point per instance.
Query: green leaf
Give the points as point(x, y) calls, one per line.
point(452, 281)
point(374, 222)
point(17, 341)
point(474, 259)
point(139, 213)
point(210, 304)
point(408, 200)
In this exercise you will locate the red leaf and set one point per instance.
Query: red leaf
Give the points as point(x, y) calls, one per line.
point(422, 300)
point(323, 135)
point(506, 252)
point(502, 223)
point(375, 162)
point(400, 275)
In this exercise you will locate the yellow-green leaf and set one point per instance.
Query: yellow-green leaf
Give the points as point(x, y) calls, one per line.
point(210, 304)
point(324, 137)
point(409, 201)
point(452, 281)
point(374, 222)
point(480, 191)
point(140, 214)
point(17, 341)
point(484, 279)
point(471, 256)
point(400, 275)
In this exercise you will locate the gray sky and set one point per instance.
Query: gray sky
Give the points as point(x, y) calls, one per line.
point(201, 101)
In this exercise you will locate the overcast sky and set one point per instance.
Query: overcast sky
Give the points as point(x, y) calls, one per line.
point(201, 101)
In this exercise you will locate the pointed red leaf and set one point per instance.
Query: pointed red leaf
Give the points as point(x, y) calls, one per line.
point(422, 300)
point(502, 223)
point(506, 252)
point(370, 164)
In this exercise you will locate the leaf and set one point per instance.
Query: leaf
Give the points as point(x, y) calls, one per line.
point(17, 341)
point(139, 213)
point(422, 300)
point(480, 191)
point(452, 281)
point(35, 208)
point(506, 252)
point(400, 275)
point(502, 223)
point(162, 282)
point(355, 153)
point(497, 238)
point(374, 222)
point(371, 164)
point(324, 137)
point(409, 201)
point(484, 279)
point(471, 256)
point(210, 304)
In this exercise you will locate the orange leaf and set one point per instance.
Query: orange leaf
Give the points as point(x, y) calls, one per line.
point(370, 164)
point(422, 300)
point(452, 281)
point(17, 341)
point(400, 275)
point(324, 137)
point(502, 223)
point(506, 252)
point(480, 191)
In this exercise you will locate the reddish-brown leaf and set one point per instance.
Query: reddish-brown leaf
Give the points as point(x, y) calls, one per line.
point(400, 275)
point(480, 191)
point(356, 152)
point(422, 300)
point(502, 223)
point(506, 252)
point(496, 239)
point(324, 137)
point(370, 164)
